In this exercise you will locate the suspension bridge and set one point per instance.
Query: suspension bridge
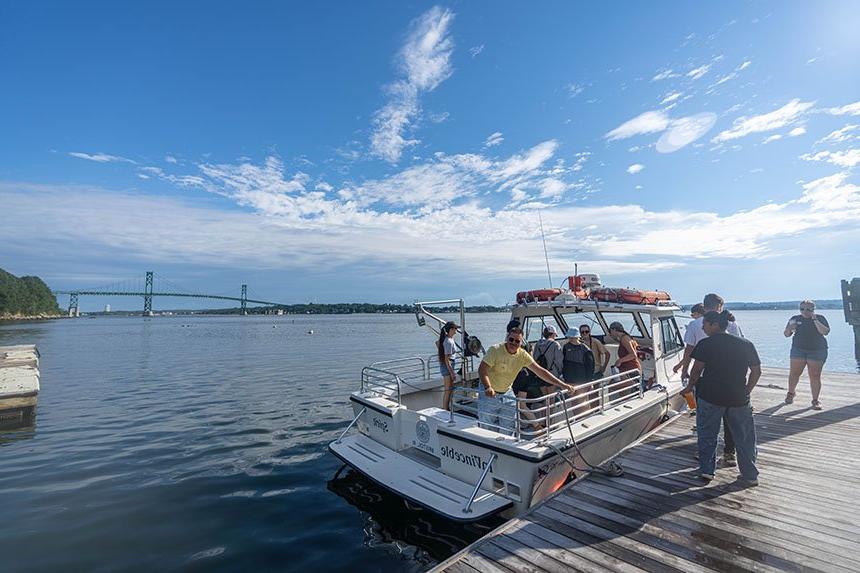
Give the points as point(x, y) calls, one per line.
point(149, 288)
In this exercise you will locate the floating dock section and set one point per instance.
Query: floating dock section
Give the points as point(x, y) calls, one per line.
point(660, 517)
point(19, 383)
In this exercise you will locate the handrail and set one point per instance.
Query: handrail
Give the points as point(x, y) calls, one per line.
point(468, 508)
point(591, 398)
point(354, 420)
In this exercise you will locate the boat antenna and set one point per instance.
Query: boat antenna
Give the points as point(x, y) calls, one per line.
point(545, 255)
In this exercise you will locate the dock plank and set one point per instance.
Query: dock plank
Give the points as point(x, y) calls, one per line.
point(660, 517)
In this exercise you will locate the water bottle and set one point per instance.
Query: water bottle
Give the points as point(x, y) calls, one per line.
point(689, 397)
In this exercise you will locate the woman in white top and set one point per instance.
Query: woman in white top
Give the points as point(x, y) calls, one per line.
point(446, 348)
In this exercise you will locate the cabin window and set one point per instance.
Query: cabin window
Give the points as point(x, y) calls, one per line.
point(671, 335)
point(533, 330)
point(580, 318)
point(631, 325)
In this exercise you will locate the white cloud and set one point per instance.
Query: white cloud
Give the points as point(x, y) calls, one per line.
point(100, 157)
point(670, 97)
point(772, 138)
point(424, 61)
point(797, 131)
point(850, 109)
point(440, 117)
point(171, 159)
point(664, 75)
point(574, 90)
point(840, 135)
point(333, 232)
point(743, 66)
point(475, 50)
point(684, 131)
point(781, 117)
point(848, 158)
point(697, 73)
point(648, 122)
point(725, 79)
point(494, 139)
point(551, 188)
point(635, 168)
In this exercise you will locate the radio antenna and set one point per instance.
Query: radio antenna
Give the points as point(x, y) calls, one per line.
point(545, 255)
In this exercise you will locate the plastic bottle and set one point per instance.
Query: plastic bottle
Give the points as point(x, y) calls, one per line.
point(689, 397)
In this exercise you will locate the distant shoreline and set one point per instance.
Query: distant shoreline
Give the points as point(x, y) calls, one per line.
point(365, 308)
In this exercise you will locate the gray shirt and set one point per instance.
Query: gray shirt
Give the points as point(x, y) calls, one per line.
point(551, 350)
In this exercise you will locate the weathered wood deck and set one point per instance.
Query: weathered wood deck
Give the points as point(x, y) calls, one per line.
point(661, 517)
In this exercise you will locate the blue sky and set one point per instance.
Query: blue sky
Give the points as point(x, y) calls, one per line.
point(400, 150)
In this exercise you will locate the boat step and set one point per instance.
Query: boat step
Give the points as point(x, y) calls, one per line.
point(416, 482)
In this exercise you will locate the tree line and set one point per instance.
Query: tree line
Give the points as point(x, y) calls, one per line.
point(25, 296)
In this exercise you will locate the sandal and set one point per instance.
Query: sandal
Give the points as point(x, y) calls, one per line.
point(789, 398)
point(816, 405)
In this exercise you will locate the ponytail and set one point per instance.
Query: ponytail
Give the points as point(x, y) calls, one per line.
point(440, 346)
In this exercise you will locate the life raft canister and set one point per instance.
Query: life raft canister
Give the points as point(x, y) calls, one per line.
point(630, 296)
point(537, 295)
point(575, 283)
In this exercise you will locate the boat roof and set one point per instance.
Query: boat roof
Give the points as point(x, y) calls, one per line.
point(570, 304)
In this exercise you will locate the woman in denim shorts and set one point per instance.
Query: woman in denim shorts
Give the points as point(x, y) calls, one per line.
point(808, 349)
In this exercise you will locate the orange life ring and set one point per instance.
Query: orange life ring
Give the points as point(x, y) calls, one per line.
point(537, 295)
point(629, 296)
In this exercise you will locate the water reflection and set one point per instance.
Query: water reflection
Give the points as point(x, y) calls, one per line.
point(392, 521)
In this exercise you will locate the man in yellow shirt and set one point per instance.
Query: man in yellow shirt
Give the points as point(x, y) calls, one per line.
point(498, 370)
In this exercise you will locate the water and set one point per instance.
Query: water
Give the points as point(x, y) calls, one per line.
point(199, 443)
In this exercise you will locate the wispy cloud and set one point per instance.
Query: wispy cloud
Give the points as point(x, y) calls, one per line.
point(699, 72)
point(635, 168)
point(840, 135)
point(850, 109)
point(574, 90)
point(848, 159)
point(648, 122)
point(743, 126)
point(171, 159)
point(494, 139)
point(475, 50)
point(797, 131)
point(424, 62)
point(664, 75)
point(743, 66)
point(678, 132)
point(670, 97)
point(101, 157)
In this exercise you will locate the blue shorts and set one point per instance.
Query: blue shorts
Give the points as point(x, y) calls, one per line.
point(443, 371)
point(819, 355)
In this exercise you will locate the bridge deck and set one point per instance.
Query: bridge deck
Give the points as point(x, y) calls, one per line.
point(661, 517)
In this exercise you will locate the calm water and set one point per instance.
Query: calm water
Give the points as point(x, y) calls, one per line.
point(199, 443)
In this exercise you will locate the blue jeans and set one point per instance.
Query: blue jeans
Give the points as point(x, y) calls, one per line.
point(740, 421)
point(497, 413)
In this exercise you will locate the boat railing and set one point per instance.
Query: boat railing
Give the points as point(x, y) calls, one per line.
point(536, 418)
point(389, 377)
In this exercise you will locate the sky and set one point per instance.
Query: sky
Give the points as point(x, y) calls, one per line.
point(394, 151)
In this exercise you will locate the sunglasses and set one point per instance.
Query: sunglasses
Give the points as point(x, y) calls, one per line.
point(584, 331)
point(804, 309)
point(512, 340)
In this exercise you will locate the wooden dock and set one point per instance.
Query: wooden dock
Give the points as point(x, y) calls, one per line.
point(19, 384)
point(659, 516)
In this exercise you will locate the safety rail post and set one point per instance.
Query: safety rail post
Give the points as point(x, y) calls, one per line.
point(602, 396)
point(641, 386)
point(351, 424)
point(468, 508)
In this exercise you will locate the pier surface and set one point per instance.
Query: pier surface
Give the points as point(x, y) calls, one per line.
point(659, 516)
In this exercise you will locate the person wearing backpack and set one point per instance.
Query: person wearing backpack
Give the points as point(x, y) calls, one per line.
point(547, 353)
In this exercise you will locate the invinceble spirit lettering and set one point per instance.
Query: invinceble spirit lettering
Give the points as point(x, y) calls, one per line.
point(472, 460)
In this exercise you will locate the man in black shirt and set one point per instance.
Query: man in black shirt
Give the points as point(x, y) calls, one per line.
point(719, 373)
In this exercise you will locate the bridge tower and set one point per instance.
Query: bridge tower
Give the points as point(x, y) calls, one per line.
point(73, 304)
point(244, 299)
point(147, 295)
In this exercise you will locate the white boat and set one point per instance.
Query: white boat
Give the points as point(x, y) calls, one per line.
point(447, 462)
